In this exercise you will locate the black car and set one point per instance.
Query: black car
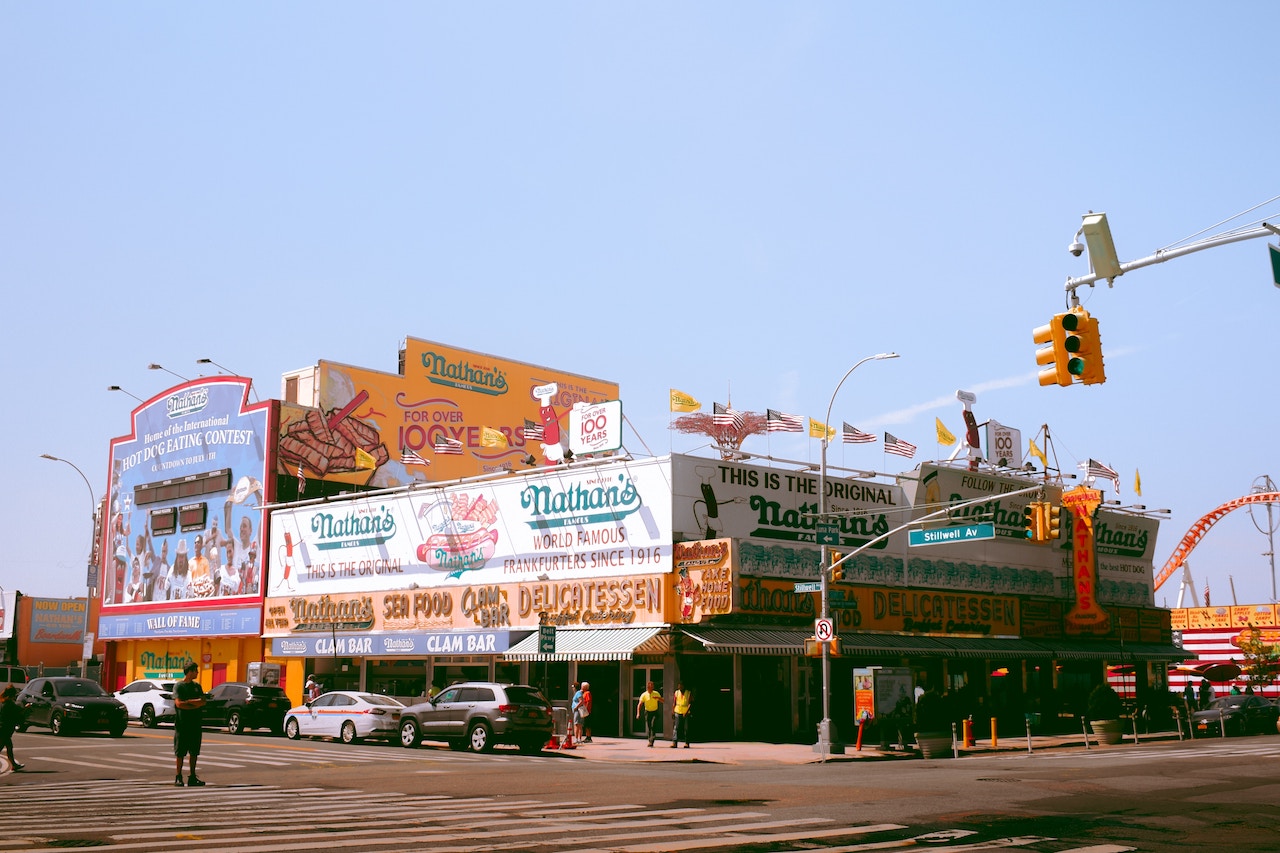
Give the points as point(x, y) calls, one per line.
point(65, 705)
point(476, 715)
point(239, 706)
point(1239, 714)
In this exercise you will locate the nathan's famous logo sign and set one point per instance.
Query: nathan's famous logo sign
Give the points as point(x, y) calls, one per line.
point(327, 613)
point(186, 403)
point(460, 373)
point(358, 527)
point(609, 498)
point(704, 579)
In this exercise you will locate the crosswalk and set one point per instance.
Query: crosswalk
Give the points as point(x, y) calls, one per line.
point(1207, 748)
point(150, 816)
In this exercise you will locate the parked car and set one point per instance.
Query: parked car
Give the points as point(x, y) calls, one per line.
point(65, 704)
point(1239, 714)
point(149, 702)
point(476, 715)
point(12, 676)
point(239, 705)
point(346, 715)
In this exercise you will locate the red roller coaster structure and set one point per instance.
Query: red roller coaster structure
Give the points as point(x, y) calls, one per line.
point(1201, 527)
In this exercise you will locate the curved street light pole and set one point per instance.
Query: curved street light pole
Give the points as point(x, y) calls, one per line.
point(824, 727)
point(88, 601)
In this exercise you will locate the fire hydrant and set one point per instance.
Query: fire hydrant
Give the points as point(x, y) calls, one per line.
point(968, 733)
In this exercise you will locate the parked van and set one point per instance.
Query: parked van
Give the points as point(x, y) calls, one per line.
point(15, 675)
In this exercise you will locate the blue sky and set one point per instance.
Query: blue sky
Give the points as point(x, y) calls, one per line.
point(721, 197)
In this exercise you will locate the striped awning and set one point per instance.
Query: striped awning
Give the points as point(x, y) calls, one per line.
point(995, 647)
point(892, 644)
point(750, 641)
point(593, 644)
point(1113, 651)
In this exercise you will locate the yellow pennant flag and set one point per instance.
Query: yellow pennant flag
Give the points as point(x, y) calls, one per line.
point(490, 437)
point(944, 435)
point(817, 429)
point(1039, 454)
point(682, 402)
point(1137, 483)
point(365, 460)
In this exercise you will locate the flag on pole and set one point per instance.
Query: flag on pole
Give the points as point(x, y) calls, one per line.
point(776, 421)
point(1137, 483)
point(490, 437)
point(1038, 453)
point(365, 460)
point(408, 457)
point(817, 429)
point(1094, 468)
point(945, 437)
point(302, 480)
point(1206, 592)
point(853, 435)
point(447, 446)
point(682, 402)
point(533, 430)
point(726, 416)
point(897, 446)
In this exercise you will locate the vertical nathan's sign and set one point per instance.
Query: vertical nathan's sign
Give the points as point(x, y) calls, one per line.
point(1086, 616)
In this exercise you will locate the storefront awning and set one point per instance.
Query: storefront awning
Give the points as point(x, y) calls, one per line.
point(1113, 651)
point(750, 641)
point(593, 644)
point(995, 647)
point(892, 644)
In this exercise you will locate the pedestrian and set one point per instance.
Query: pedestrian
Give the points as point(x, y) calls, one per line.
point(10, 719)
point(649, 703)
point(1206, 693)
point(585, 708)
point(1235, 690)
point(680, 712)
point(188, 724)
point(575, 712)
point(311, 688)
point(1189, 695)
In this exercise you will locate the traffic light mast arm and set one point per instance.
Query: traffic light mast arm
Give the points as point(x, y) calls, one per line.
point(935, 514)
point(1162, 255)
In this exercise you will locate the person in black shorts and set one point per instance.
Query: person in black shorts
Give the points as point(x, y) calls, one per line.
point(188, 725)
point(10, 718)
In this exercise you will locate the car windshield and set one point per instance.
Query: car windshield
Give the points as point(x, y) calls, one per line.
point(80, 688)
point(519, 695)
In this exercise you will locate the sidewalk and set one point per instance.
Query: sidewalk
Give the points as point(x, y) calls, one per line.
point(735, 752)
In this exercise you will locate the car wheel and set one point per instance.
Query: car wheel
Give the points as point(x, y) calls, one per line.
point(118, 731)
point(235, 725)
point(349, 732)
point(480, 740)
point(148, 717)
point(58, 724)
point(291, 730)
point(409, 734)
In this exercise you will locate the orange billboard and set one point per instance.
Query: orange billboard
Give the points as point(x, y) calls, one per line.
point(450, 413)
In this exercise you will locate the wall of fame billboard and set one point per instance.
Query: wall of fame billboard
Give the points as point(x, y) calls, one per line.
point(185, 498)
point(449, 406)
point(566, 522)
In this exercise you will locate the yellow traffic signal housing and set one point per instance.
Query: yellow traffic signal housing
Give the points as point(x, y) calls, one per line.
point(1055, 358)
point(1033, 519)
point(1052, 522)
point(1091, 369)
point(837, 572)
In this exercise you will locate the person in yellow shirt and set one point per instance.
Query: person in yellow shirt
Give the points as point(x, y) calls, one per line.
point(650, 702)
point(680, 715)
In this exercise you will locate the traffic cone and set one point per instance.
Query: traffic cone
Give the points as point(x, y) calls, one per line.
point(567, 742)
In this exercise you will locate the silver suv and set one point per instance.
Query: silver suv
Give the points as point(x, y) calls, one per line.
point(476, 715)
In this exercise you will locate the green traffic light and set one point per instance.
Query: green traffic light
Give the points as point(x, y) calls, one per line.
point(1071, 321)
point(1075, 366)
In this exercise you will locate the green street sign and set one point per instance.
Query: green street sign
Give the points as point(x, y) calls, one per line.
point(1275, 263)
point(828, 533)
point(946, 535)
point(546, 639)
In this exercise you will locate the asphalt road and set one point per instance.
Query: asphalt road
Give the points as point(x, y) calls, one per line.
point(270, 794)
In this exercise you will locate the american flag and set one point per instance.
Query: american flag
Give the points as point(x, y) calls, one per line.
point(726, 416)
point(776, 421)
point(1096, 469)
point(853, 435)
point(302, 480)
point(897, 446)
point(446, 446)
point(1206, 593)
point(532, 430)
point(408, 457)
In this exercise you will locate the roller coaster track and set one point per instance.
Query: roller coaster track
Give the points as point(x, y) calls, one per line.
point(1201, 527)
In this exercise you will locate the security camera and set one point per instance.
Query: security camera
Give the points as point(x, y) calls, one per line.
point(1076, 248)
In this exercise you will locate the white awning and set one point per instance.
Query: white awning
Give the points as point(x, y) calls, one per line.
point(593, 644)
point(750, 641)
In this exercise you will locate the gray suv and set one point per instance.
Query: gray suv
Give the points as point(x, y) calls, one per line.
point(476, 715)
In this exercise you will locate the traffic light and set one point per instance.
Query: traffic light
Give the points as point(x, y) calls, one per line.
point(837, 572)
point(1052, 522)
point(1061, 342)
point(1089, 352)
point(1033, 519)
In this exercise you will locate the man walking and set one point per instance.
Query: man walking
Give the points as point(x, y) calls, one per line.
point(188, 724)
point(10, 718)
point(650, 702)
point(680, 715)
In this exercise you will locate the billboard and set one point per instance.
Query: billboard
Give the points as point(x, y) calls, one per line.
point(561, 523)
point(184, 506)
point(57, 620)
point(464, 413)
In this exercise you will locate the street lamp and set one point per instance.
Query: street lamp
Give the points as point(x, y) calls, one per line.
point(122, 391)
point(232, 372)
point(154, 366)
point(824, 727)
point(88, 601)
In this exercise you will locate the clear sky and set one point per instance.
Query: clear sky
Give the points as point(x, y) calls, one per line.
point(728, 198)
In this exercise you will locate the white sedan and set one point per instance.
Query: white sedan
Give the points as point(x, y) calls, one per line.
point(149, 702)
point(347, 715)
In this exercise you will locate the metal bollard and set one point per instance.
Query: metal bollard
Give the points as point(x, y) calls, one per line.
point(955, 744)
point(1084, 727)
point(993, 732)
point(1029, 749)
point(1135, 729)
point(1222, 726)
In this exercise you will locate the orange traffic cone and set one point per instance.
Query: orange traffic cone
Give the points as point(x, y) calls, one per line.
point(567, 741)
